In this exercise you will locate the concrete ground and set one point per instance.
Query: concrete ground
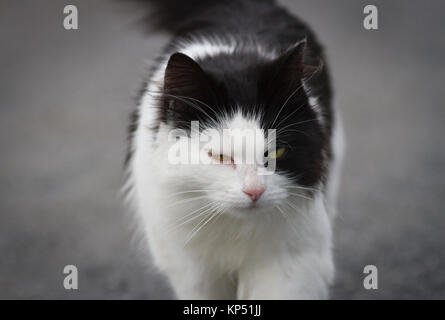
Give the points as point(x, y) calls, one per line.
point(65, 98)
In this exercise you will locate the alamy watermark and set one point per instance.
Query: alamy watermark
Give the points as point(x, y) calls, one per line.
point(227, 146)
point(70, 281)
point(370, 22)
point(71, 20)
point(371, 281)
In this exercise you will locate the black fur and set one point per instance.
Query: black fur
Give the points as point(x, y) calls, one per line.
point(247, 82)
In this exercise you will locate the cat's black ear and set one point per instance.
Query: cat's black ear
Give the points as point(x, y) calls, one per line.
point(185, 81)
point(299, 62)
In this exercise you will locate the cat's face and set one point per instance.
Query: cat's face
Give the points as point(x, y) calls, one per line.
point(256, 97)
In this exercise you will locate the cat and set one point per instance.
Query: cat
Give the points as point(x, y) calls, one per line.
point(222, 230)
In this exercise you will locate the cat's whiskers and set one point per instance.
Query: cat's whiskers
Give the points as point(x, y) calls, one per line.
point(300, 196)
point(293, 206)
point(193, 106)
point(290, 114)
point(199, 101)
point(192, 216)
point(287, 219)
point(190, 191)
point(285, 102)
point(283, 133)
point(293, 93)
point(302, 188)
point(296, 123)
point(208, 217)
point(186, 201)
point(195, 211)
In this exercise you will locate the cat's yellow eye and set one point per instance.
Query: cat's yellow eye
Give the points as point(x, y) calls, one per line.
point(277, 153)
point(221, 158)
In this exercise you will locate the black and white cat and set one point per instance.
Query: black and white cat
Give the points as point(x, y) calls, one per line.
point(220, 230)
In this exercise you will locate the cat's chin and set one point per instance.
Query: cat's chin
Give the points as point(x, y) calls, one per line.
point(250, 210)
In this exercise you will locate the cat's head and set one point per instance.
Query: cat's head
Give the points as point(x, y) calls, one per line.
point(289, 94)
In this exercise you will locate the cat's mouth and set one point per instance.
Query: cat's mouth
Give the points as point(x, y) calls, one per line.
point(248, 209)
point(253, 205)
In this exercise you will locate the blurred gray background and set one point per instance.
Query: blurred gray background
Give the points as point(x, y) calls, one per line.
point(65, 97)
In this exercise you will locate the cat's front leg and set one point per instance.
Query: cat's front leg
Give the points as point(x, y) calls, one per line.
point(306, 276)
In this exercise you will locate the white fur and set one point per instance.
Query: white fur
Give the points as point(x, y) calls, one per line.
point(267, 253)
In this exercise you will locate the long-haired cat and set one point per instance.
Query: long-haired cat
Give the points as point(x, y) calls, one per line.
point(220, 229)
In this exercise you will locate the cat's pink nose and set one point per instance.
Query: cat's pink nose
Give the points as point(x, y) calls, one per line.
point(254, 192)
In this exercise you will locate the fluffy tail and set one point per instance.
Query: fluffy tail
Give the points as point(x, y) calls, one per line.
point(173, 15)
